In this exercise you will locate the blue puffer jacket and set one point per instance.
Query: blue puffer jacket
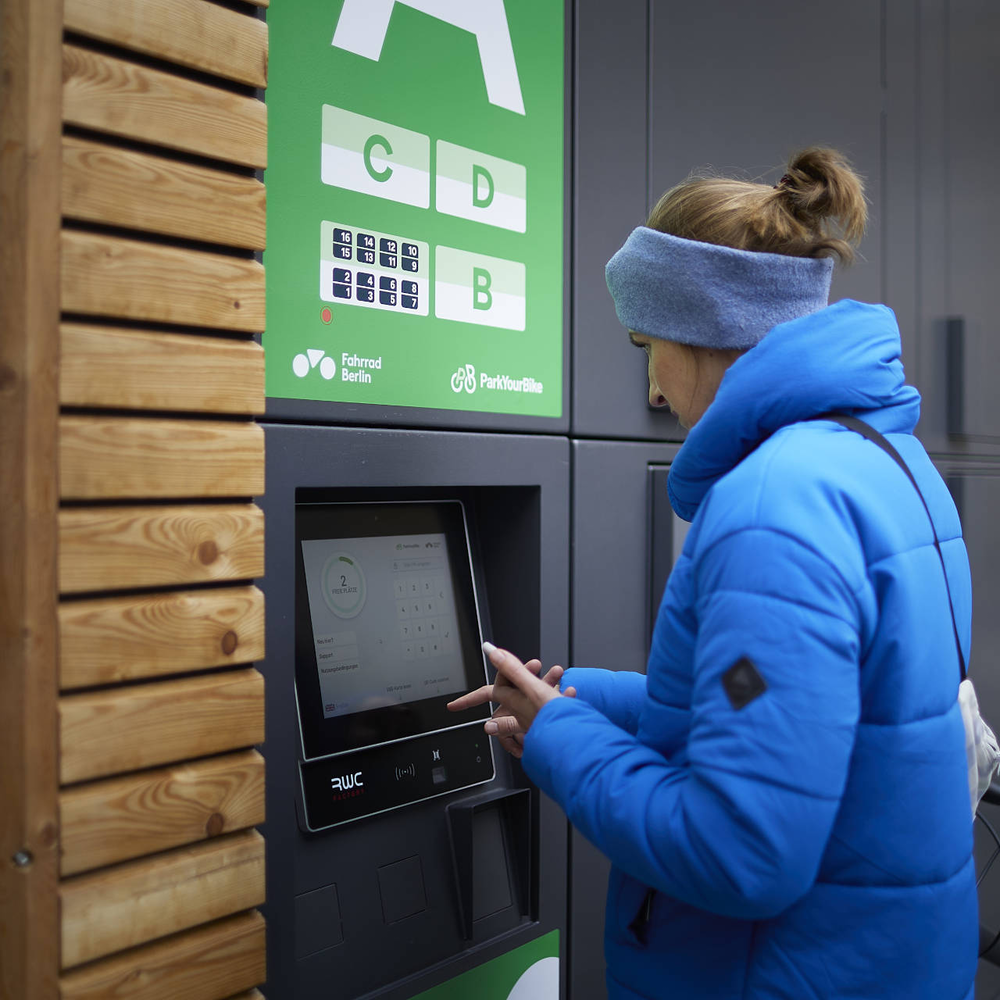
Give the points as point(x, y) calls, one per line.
point(789, 776)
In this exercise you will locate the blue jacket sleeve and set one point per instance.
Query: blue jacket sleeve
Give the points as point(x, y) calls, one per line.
point(740, 825)
point(616, 694)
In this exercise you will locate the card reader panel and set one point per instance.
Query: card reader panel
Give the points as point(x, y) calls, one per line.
point(376, 779)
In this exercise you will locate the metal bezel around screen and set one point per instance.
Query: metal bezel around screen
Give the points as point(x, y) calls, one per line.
point(479, 633)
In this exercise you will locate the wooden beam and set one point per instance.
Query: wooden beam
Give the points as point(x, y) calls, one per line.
point(131, 279)
point(124, 458)
point(122, 98)
point(121, 187)
point(106, 640)
point(189, 32)
point(30, 38)
point(118, 548)
point(206, 963)
point(121, 818)
point(139, 726)
point(149, 370)
point(140, 901)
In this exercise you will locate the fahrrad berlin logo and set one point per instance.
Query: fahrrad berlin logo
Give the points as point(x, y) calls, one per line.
point(302, 364)
point(464, 378)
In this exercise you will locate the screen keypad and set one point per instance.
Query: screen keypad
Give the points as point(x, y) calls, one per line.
point(426, 629)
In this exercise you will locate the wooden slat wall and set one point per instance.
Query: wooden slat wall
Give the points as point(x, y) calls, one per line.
point(101, 275)
point(136, 814)
point(195, 965)
point(189, 32)
point(140, 901)
point(103, 183)
point(101, 548)
point(159, 538)
point(121, 98)
point(125, 638)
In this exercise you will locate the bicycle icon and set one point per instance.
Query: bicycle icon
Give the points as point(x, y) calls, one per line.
point(303, 363)
point(464, 378)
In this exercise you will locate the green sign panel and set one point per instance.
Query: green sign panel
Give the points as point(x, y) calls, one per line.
point(530, 972)
point(415, 203)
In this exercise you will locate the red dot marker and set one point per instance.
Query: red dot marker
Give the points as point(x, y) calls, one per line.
point(326, 316)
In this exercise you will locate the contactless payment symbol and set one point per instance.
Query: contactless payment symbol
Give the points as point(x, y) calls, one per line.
point(343, 585)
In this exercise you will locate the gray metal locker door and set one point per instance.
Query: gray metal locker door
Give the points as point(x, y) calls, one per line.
point(735, 87)
point(612, 544)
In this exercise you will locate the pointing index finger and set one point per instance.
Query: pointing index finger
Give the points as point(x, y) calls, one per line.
point(508, 665)
point(478, 697)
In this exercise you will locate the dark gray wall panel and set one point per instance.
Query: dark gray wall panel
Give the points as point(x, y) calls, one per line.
point(977, 494)
point(960, 216)
point(956, 254)
point(610, 608)
point(735, 87)
point(725, 85)
point(973, 144)
point(609, 375)
point(900, 177)
point(932, 208)
point(611, 551)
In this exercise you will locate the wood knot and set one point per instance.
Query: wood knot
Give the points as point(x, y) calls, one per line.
point(8, 378)
point(229, 642)
point(236, 304)
point(215, 825)
point(208, 552)
point(48, 835)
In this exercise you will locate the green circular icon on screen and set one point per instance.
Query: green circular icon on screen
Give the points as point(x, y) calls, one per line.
point(344, 588)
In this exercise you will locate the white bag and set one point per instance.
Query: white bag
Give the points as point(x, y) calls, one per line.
point(982, 754)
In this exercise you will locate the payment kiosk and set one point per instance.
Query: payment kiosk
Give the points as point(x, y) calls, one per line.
point(404, 850)
point(417, 239)
point(387, 630)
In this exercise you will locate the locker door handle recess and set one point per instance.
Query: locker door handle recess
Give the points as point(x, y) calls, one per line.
point(955, 367)
point(491, 850)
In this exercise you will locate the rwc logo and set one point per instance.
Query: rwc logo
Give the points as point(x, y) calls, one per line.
point(348, 785)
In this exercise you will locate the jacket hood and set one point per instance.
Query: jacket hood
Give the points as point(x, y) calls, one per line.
point(845, 357)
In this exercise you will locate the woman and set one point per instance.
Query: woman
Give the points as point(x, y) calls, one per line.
point(783, 795)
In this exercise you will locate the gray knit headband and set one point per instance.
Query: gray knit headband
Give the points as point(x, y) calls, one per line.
point(711, 296)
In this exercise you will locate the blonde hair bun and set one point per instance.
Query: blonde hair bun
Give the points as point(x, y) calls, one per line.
point(817, 209)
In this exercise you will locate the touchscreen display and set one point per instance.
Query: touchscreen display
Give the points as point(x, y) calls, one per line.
point(387, 622)
point(383, 620)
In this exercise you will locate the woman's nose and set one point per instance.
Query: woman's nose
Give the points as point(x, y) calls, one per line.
point(656, 398)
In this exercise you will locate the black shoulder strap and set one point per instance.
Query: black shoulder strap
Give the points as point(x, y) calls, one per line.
point(852, 423)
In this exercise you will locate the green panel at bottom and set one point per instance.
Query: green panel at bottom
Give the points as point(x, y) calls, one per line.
point(530, 972)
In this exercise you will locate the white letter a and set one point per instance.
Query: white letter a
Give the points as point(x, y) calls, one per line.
point(363, 25)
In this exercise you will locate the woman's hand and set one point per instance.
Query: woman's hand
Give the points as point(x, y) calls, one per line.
point(519, 692)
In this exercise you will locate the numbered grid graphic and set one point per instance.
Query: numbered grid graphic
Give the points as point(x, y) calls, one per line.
point(364, 267)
